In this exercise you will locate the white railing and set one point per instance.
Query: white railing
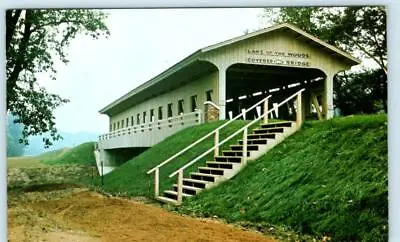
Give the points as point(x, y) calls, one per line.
point(299, 120)
point(159, 124)
point(216, 141)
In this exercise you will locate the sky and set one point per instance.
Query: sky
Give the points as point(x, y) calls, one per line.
point(142, 44)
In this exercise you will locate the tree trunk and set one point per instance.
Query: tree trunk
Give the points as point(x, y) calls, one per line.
point(18, 65)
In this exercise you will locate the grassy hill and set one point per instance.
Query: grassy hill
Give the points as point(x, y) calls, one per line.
point(79, 155)
point(328, 179)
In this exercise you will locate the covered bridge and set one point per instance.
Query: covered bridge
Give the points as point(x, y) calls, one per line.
point(218, 81)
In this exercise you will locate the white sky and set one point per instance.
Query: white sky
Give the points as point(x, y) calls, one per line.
point(142, 44)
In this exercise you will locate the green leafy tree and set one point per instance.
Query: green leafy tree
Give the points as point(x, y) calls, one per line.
point(35, 40)
point(14, 132)
point(358, 30)
point(361, 92)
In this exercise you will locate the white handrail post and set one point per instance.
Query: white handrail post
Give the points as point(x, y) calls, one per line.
point(266, 111)
point(244, 114)
point(216, 142)
point(180, 186)
point(245, 145)
point(156, 182)
point(299, 114)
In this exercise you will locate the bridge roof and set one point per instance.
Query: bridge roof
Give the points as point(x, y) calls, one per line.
point(192, 66)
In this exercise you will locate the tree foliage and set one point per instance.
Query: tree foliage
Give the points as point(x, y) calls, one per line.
point(14, 132)
point(358, 30)
point(364, 92)
point(35, 40)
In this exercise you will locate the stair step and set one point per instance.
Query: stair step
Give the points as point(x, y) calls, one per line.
point(211, 170)
point(188, 189)
point(268, 130)
point(278, 124)
point(234, 153)
point(255, 142)
point(195, 182)
point(223, 165)
point(174, 195)
point(167, 200)
point(261, 136)
point(204, 176)
point(240, 147)
point(235, 159)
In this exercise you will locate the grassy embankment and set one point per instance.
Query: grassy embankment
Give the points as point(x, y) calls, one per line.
point(79, 155)
point(328, 179)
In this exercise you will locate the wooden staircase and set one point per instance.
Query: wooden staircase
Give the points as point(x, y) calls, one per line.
point(225, 166)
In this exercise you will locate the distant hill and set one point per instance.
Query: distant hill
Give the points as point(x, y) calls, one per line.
point(69, 140)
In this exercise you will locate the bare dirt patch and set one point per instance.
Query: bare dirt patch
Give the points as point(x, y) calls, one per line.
point(75, 214)
point(46, 204)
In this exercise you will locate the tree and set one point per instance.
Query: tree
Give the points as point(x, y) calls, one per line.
point(35, 39)
point(358, 30)
point(14, 132)
point(361, 92)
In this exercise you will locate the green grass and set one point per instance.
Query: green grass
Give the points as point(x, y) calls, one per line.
point(130, 179)
point(79, 155)
point(33, 161)
point(23, 161)
point(328, 179)
point(52, 154)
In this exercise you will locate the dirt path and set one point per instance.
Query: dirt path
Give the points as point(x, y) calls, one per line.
point(75, 214)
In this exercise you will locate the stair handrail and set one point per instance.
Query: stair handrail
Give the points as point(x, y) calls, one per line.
point(207, 135)
point(180, 170)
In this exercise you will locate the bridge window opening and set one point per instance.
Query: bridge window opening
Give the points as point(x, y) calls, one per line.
point(110, 129)
point(131, 120)
point(209, 95)
point(118, 125)
point(169, 111)
point(122, 124)
point(144, 117)
point(194, 104)
point(127, 122)
point(138, 118)
point(160, 113)
point(151, 115)
point(114, 126)
point(180, 107)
